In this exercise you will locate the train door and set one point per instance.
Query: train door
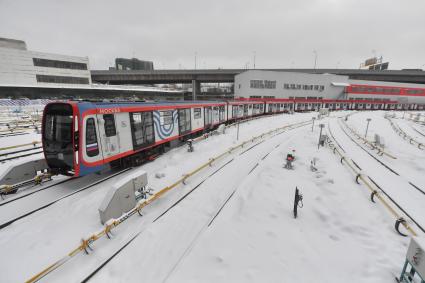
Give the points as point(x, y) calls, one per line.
point(122, 122)
point(197, 121)
point(142, 128)
point(215, 118)
point(245, 110)
point(208, 116)
point(184, 121)
point(109, 137)
point(221, 115)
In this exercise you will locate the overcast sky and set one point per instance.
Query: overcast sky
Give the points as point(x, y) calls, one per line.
point(223, 33)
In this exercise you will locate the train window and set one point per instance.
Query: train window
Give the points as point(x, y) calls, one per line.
point(110, 129)
point(142, 129)
point(197, 113)
point(92, 148)
point(166, 117)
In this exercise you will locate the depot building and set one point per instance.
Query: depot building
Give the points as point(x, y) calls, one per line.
point(291, 85)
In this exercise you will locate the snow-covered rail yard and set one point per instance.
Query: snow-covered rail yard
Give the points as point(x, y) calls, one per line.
point(232, 221)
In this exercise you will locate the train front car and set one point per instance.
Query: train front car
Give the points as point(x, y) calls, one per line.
point(60, 137)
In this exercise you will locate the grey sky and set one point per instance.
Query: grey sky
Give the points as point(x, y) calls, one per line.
point(224, 33)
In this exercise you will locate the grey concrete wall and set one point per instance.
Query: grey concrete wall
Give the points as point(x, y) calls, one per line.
point(13, 43)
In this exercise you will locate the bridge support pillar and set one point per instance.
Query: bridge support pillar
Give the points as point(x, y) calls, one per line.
point(196, 89)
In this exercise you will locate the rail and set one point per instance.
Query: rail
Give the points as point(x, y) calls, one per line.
point(374, 189)
point(405, 136)
point(110, 225)
point(373, 146)
point(34, 143)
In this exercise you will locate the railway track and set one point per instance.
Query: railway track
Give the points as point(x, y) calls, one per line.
point(410, 201)
point(151, 216)
point(26, 205)
point(18, 153)
point(13, 134)
point(381, 162)
point(214, 178)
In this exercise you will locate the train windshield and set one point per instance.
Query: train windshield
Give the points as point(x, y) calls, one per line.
point(57, 136)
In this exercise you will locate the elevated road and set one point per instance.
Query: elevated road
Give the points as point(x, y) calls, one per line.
point(228, 75)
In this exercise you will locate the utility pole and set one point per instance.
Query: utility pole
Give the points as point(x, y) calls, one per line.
point(320, 135)
point(237, 133)
point(315, 58)
point(314, 118)
point(367, 126)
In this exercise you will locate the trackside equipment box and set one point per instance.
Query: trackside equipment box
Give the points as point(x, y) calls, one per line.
point(121, 197)
point(414, 266)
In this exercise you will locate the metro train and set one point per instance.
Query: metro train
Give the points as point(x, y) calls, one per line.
point(82, 137)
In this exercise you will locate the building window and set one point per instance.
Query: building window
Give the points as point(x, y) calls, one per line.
point(263, 84)
point(61, 80)
point(39, 62)
point(109, 125)
point(197, 113)
point(286, 86)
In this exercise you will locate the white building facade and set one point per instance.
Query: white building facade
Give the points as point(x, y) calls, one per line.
point(290, 85)
point(272, 84)
point(21, 67)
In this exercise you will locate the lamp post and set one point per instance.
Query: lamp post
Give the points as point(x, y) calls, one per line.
point(367, 126)
point(314, 118)
point(320, 135)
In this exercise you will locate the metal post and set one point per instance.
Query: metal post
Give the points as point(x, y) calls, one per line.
point(367, 126)
point(314, 118)
point(237, 133)
point(320, 135)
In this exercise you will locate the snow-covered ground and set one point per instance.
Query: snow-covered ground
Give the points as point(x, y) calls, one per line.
point(237, 226)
